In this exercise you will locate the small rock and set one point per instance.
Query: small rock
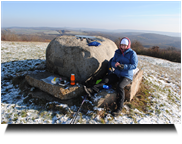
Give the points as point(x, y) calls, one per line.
point(40, 67)
point(168, 81)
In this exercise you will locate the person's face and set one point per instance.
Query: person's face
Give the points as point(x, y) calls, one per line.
point(123, 46)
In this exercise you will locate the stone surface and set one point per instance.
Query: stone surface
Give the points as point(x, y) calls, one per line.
point(131, 90)
point(67, 54)
point(107, 98)
point(37, 93)
point(54, 90)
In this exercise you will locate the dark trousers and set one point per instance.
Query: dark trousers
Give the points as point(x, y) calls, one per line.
point(111, 79)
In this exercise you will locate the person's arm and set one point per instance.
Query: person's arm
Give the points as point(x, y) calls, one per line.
point(113, 62)
point(134, 62)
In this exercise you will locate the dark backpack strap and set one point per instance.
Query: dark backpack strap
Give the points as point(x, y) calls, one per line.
point(109, 66)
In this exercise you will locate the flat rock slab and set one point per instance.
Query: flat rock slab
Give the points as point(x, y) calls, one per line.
point(107, 98)
point(57, 91)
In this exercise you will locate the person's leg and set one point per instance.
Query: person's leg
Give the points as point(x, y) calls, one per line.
point(123, 81)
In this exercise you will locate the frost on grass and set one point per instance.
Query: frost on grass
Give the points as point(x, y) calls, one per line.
point(161, 76)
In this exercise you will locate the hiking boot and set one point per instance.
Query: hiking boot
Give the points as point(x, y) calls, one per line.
point(116, 112)
point(89, 91)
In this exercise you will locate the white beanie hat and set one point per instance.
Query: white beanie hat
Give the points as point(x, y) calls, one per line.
point(124, 41)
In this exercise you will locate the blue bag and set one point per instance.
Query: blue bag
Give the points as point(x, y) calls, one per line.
point(94, 43)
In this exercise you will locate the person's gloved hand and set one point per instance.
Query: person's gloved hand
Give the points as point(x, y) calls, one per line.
point(120, 66)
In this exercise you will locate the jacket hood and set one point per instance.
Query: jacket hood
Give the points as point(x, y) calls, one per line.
point(129, 43)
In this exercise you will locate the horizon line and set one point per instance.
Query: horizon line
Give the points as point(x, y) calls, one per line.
point(85, 28)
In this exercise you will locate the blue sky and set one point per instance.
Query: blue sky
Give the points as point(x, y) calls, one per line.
point(112, 15)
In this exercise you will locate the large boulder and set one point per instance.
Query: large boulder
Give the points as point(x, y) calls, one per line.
point(68, 54)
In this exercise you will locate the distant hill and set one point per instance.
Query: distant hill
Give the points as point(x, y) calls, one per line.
point(173, 34)
point(163, 41)
point(146, 39)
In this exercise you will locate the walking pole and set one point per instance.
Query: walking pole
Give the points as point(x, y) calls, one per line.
point(73, 120)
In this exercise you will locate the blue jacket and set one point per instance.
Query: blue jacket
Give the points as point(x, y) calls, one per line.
point(129, 59)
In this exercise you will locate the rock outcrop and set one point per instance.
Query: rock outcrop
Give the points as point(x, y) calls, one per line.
point(107, 98)
point(57, 91)
point(68, 54)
